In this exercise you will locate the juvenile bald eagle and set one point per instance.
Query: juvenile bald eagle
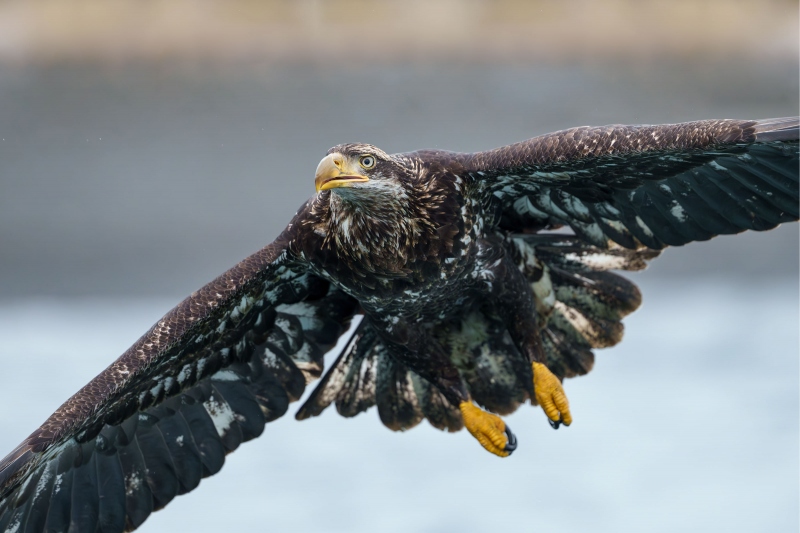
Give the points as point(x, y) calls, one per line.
point(467, 301)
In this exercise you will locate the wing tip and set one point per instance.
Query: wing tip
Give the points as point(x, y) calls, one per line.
point(777, 129)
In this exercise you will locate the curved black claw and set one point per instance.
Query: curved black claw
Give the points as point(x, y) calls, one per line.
point(555, 424)
point(511, 445)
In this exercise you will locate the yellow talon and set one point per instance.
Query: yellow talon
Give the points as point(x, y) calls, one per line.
point(550, 395)
point(489, 429)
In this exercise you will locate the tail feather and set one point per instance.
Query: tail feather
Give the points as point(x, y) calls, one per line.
point(580, 307)
point(439, 412)
point(565, 358)
point(350, 381)
point(398, 401)
point(496, 375)
point(364, 375)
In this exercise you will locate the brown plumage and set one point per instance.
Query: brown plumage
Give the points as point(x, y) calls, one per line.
point(444, 255)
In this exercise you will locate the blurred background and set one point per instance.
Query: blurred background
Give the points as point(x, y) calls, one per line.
point(145, 147)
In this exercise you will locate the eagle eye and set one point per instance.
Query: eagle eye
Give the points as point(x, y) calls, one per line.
point(367, 161)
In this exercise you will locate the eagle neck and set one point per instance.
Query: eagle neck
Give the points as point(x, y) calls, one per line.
point(379, 233)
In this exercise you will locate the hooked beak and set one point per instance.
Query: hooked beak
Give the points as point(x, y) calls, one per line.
point(333, 171)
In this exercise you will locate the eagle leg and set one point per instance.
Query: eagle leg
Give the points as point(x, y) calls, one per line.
point(512, 299)
point(550, 396)
point(489, 429)
point(420, 352)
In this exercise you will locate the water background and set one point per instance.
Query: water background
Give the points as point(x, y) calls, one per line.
point(690, 424)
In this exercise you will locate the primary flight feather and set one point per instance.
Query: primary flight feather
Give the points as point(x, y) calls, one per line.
point(471, 305)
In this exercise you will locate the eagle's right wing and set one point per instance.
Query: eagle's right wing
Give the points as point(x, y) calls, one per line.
point(204, 379)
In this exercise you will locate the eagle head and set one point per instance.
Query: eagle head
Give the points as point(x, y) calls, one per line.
point(375, 216)
point(360, 173)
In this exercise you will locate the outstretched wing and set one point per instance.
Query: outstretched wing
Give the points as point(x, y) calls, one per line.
point(205, 378)
point(646, 185)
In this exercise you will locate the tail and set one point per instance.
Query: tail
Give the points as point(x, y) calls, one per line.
point(580, 307)
point(364, 375)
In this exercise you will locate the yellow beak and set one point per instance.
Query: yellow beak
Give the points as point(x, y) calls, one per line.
point(334, 171)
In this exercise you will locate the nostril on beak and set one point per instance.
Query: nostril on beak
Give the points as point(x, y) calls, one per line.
point(338, 163)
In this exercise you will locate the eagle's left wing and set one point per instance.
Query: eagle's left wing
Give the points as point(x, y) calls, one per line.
point(205, 378)
point(646, 185)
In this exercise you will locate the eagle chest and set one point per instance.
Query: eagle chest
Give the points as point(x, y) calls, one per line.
point(422, 274)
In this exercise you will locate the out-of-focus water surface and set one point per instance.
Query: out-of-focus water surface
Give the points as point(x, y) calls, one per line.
point(690, 424)
point(125, 186)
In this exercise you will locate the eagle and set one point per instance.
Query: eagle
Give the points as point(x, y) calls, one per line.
point(481, 280)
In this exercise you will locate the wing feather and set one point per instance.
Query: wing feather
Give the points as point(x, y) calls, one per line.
point(649, 186)
point(206, 378)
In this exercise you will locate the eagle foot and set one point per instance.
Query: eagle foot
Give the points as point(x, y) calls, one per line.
point(489, 429)
point(550, 396)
